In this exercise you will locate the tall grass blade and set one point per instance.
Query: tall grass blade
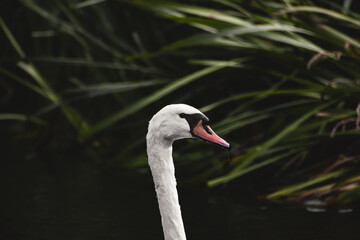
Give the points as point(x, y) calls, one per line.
point(238, 31)
point(71, 29)
point(259, 150)
point(253, 167)
point(20, 117)
point(320, 10)
point(79, 62)
point(168, 8)
point(109, 88)
point(12, 39)
point(150, 99)
point(23, 82)
point(310, 92)
point(294, 188)
point(33, 72)
point(88, 3)
point(341, 35)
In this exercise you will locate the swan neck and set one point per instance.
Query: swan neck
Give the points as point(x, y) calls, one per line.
point(163, 172)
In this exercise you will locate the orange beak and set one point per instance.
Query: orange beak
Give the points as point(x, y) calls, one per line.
point(204, 132)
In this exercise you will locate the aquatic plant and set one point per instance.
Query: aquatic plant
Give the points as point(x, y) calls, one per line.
point(282, 76)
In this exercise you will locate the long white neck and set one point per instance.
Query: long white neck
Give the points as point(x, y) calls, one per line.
point(161, 164)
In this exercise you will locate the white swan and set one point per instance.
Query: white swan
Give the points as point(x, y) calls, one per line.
point(171, 123)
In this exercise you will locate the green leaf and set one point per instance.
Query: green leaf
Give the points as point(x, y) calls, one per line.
point(168, 8)
point(325, 11)
point(88, 3)
point(296, 187)
point(310, 92)
point(21, 117)
point(150, 99)
point(12, 39)
point(253, 167)
point(264, 30)
point(108, 88)
point(259, 150)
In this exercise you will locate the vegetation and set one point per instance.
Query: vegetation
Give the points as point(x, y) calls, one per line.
point(279, 80)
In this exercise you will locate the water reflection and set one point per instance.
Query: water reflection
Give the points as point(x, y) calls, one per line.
point(75, 201)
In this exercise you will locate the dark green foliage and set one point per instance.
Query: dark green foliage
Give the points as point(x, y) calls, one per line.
point(279, 80)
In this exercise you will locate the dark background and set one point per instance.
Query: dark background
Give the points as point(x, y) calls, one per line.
point(79, 82)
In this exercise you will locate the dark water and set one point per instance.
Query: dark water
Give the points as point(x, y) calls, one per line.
point(76, 202)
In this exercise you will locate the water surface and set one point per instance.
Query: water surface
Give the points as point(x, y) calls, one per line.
point(76, 201)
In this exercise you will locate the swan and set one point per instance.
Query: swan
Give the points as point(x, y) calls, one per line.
point(173, 122)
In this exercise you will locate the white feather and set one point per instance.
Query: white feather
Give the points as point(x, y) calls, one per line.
point(165, 127)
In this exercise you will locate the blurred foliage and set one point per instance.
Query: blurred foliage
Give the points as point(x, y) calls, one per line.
point(279, 80)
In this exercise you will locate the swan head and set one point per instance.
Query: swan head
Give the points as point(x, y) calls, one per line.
point(178, 121)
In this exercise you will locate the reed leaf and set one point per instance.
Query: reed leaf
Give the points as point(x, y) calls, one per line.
point(251, 168)
point(167, 8)
point(259, 150)
point(296, 187)
point(12, 39)
point(150, 99)
point(21, 117)
point(287, 93)
point(108, 88)
point(311, 92)
point(313, 9)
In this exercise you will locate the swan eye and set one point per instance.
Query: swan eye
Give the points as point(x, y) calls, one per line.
point(193, 120)
point(199, 127)
point(205, 126)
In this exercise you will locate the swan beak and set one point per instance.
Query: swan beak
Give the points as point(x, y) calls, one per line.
point(204, 132)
